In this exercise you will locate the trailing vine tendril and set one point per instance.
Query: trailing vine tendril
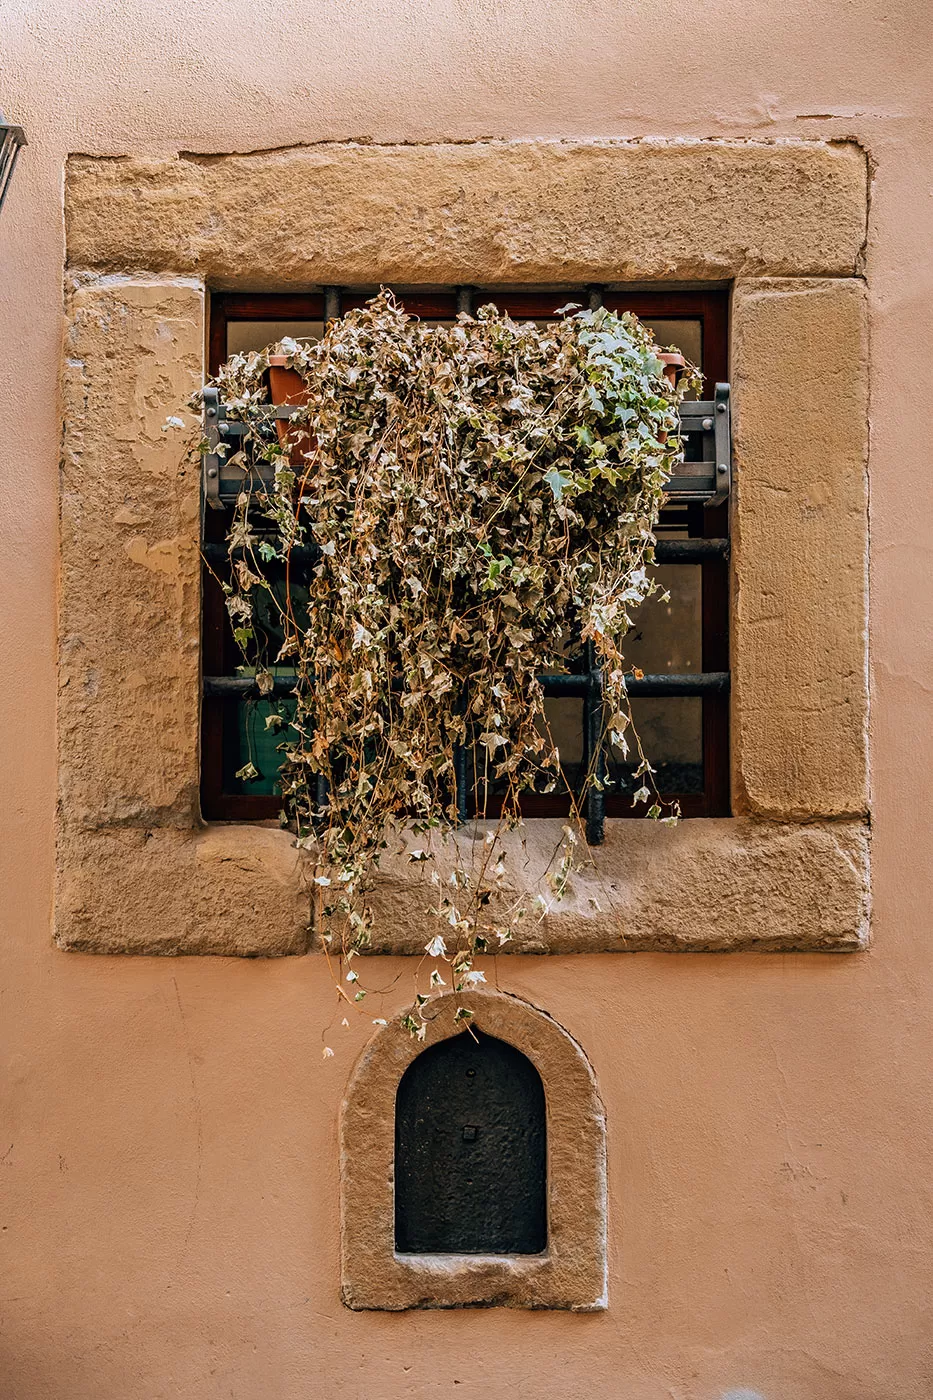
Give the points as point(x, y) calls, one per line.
point(482, 496)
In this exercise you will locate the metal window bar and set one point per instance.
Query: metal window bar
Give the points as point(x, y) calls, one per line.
point(12, 140)
point(704, 477)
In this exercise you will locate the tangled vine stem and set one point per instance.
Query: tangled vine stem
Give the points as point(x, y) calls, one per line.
point(483, 497)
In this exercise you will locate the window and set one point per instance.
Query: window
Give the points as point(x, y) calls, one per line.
point(686, 734)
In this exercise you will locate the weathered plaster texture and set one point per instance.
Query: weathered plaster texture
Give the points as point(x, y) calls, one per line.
point(571, 1273)
point(488, 212)
point(800, 549)
point(787, 873)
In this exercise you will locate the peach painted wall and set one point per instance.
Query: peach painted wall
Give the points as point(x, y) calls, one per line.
point(168, 1185)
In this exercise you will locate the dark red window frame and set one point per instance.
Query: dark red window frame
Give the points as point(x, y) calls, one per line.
point(220, 654)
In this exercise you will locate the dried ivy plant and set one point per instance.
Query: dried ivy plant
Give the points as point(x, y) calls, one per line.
point(483, 496)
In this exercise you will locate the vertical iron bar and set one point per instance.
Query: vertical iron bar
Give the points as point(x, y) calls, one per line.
point(210, 467)
point(465, 300)
point(462, 768)
point(14, 138)
point(594, 297)
point(332, 309)
point(319, 813)
point(722, 438)
point(594, 749)
point(461, 772)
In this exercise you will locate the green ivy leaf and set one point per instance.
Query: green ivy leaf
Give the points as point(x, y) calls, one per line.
point(558, 482)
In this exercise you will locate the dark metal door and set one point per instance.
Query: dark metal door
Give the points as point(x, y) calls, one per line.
point(470, 1151)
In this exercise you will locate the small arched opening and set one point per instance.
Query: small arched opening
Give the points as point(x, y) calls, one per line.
point(473, 1166)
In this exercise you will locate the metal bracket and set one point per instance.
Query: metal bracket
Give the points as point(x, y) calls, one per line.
point(221, 482)
point(703, 477)
point(705, 474)
point(722, 440)
point(211, 464)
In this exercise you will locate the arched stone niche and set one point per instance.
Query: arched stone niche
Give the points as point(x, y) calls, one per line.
point(570, 1272)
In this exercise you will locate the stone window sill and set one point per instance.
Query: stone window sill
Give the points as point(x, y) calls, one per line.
point(709, 884)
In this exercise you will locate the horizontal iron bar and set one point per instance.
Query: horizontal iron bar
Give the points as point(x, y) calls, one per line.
point(245, 685)
point(690, 551)
point(554, 686)
point(665, 551)
point(701, 470)
point(217, 553)
point(653, 686)
point(698, 415)
point(579, 686)
point(690, 481)
point(703, 683)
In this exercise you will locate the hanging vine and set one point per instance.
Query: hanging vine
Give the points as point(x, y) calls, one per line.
point(480, 499)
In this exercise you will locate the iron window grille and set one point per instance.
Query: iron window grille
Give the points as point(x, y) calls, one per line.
point(694, 531)
point(12, 141)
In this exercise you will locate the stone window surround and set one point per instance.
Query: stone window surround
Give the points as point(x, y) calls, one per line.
point(571, 1272)
point(782, 222)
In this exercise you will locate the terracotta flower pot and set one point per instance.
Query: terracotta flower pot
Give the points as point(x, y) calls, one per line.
point(286, 386)
point(674, 366)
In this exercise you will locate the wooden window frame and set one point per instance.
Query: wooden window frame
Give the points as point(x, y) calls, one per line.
point(219, 652)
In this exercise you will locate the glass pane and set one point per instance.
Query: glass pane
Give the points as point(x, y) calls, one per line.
point(667, 639)
point(256, 335)
point(685, 336)
point(258, 744)
point(667, 632)
point(565, 722)
point(254, 742)
point(671, 734)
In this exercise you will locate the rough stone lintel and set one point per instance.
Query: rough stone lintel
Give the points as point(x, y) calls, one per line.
point(800, 549)
point(521, 212)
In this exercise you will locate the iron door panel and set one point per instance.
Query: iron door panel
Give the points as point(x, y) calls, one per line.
point(470, 1151)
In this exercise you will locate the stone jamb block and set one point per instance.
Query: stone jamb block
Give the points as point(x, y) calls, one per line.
point(571, 1273)
point(800, 549)
point(130, 558)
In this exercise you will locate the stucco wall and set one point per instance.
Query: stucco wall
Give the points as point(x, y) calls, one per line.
point(168, 1154)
